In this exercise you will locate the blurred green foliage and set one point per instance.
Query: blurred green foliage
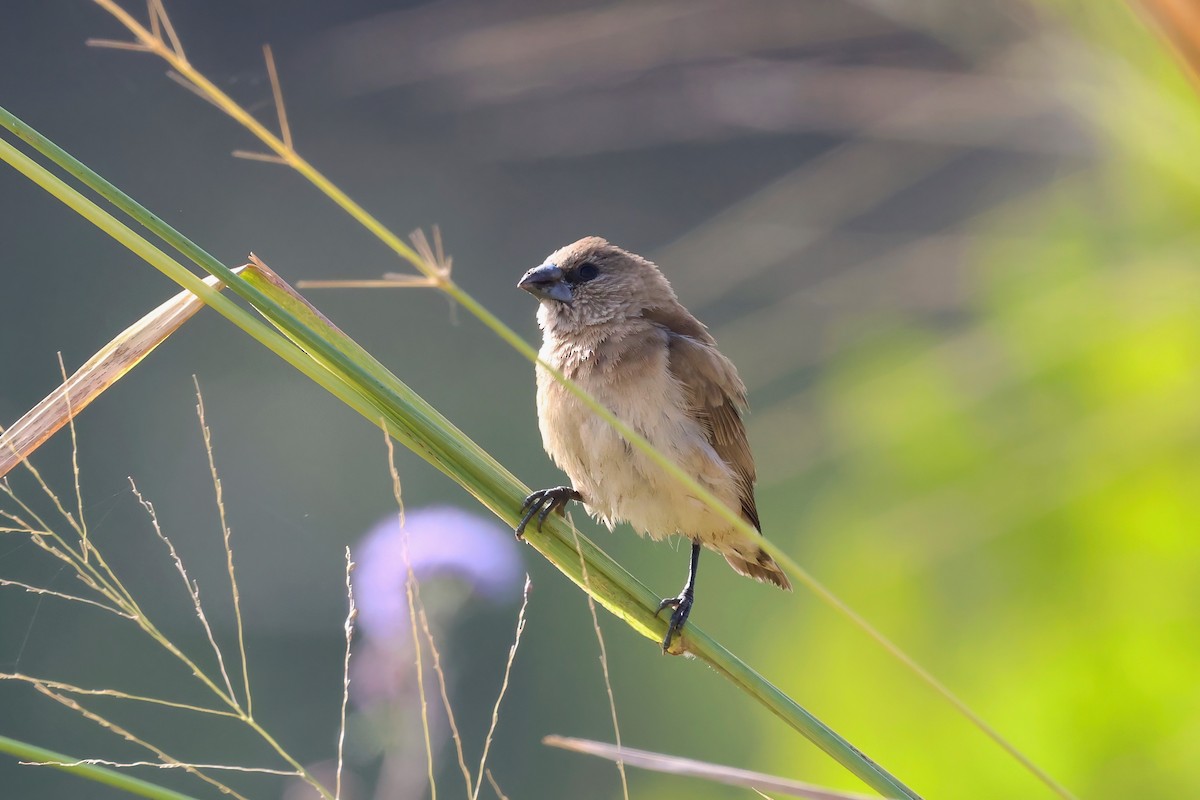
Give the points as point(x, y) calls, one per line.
point(1017, 499)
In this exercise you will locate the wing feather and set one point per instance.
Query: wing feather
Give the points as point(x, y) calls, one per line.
point(716, 395)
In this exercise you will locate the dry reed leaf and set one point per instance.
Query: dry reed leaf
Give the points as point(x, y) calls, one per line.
point(100, 372)
point(674, 765)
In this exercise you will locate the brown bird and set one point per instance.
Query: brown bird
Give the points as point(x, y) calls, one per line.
point(611, 322)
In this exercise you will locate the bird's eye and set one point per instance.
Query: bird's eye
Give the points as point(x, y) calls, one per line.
point(587, 271)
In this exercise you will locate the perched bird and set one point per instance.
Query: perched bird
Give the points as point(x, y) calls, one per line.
point(611, 322)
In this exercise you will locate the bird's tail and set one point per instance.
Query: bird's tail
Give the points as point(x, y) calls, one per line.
point(761, 567)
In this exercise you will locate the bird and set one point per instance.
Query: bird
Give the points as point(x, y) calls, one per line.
point(612, 323)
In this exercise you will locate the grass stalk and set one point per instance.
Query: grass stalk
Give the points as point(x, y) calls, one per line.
point(612, 700)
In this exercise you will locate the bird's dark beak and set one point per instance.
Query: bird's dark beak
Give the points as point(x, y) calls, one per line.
point(546, 282)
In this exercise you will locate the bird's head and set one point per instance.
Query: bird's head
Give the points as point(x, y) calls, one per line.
point(592, 282)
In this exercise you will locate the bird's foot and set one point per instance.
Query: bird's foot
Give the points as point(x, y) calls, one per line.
point(544, 501)
point(683, 607)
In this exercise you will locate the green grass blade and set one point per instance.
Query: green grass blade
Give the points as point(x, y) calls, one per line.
point(92, 772)
point(334, 361)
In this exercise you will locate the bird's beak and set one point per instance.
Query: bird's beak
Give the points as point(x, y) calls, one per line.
point(546, 282)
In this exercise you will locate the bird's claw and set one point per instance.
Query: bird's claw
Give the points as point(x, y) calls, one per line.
point(542, 503)
point(682, 606)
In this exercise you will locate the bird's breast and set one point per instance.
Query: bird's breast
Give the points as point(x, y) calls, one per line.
point(618, 481)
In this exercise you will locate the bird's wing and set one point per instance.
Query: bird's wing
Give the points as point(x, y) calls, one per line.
point(716, 396)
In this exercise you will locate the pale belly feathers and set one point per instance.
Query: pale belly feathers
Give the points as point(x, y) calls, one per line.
point(620, 482)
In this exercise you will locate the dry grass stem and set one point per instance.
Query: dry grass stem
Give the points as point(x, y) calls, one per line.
point(410, 581)
point(155, 25)
point(114, 44)
point(63, 596)
point(225, 535)
point(84, 544)
point(417, 613)
point(390, 281)
point(285, 130)
point(351, 616)
point(434, 255)
point(512, 655)
point(612, 703)
point(72, 689)
point(193, 590)
point(159, 22)
point(103, 762)
point(717, 773)
point(495, 786)
point(251, 155)
point(441, 678)
point(408, 592)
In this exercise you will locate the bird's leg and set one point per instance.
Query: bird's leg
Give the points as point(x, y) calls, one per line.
point(542, 502)
point(683, 603)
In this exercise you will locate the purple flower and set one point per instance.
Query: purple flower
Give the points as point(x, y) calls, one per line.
point(441, 541)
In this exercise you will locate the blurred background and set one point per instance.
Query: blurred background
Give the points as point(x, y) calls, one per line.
point(951, 248)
